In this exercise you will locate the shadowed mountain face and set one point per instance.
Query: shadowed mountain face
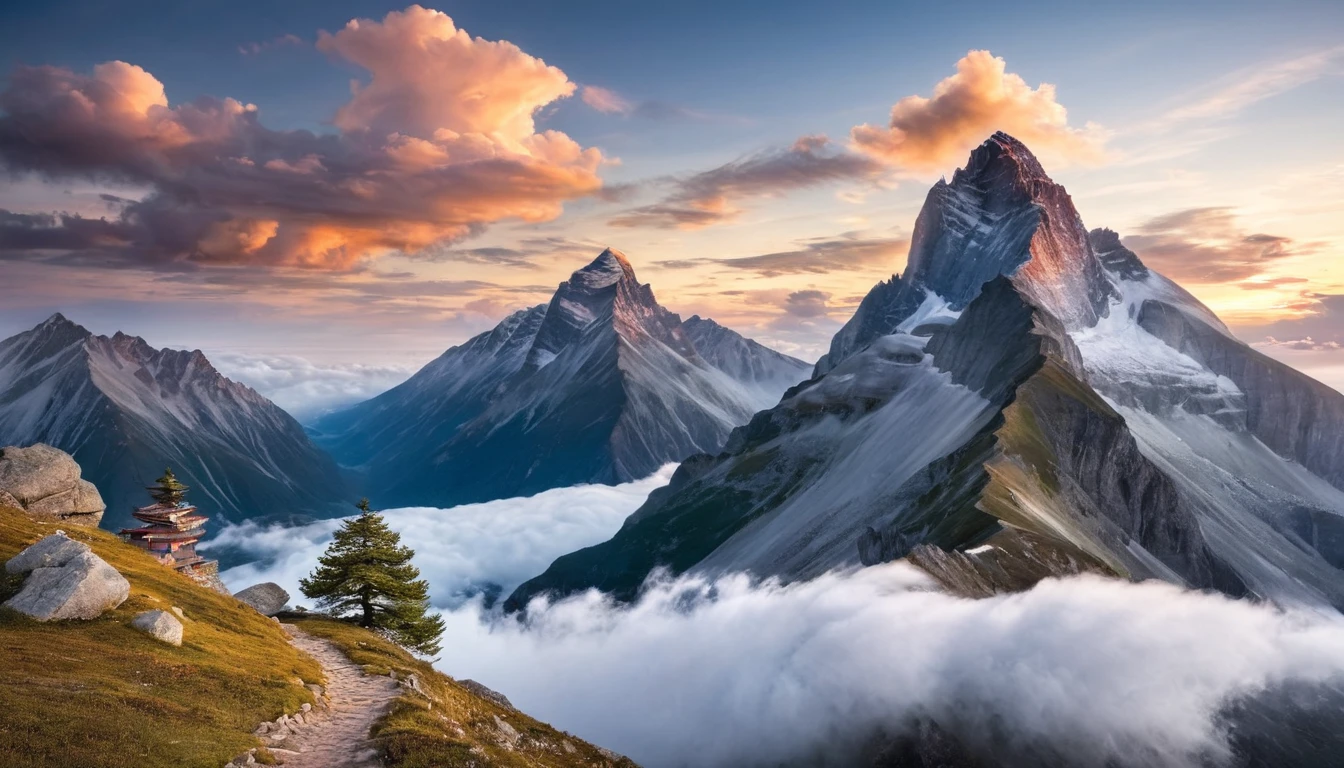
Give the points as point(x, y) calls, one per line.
point(600, 385)
point(1026, 400)
point(125, 410)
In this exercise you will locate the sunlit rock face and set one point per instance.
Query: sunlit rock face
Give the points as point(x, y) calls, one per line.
point(1000, 215)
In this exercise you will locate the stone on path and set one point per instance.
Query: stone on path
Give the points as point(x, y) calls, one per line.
point(336, 736)
point(268, 598)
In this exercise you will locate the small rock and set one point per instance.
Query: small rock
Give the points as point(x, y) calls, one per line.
point(317, 690)
point(178, 612)
point(486, 693)
point(161, 625)
point(81, 588)
point(508, 735)
point(52, 551)
point(306, 707)
point(268, 598)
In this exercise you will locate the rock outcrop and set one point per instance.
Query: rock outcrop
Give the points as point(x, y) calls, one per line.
point(160, 625)
point(45, 483)
point(268, 597)
point(66, 580)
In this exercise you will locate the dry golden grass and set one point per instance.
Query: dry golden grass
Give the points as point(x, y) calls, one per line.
point(99, 693)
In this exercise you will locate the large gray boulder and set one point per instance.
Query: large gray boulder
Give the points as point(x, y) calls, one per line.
point(45, 483)
point(268, 597)
point(82, 587)
point(52, 551)
point(160, 625)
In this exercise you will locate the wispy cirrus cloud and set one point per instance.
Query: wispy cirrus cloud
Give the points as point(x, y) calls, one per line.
point(609, 102)
point(1245, 87)
point(935, 133)
point(850, 251)
point(438, 142)
point(712, 197)
point(283, 41)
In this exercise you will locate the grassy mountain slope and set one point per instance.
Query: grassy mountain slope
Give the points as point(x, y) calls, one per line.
point(446, 725)
point(99, 693)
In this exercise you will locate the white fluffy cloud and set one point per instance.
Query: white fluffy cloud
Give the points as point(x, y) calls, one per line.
point(736, 672)
point(934, 134)
point(458, 550)
point(731, 673)
point(306, 389)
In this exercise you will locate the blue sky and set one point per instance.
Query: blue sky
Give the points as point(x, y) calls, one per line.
point(1228, 108)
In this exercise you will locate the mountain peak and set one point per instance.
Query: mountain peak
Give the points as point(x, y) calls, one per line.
point(1004, 151)
point(610, 267)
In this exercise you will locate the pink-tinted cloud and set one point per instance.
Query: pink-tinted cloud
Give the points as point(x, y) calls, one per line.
point(439, 143)
point(711, 197)
point(430, 79)
point(606, 100)
point(933, 134)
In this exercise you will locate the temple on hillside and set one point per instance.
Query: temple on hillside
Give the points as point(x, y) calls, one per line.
point(170, 532)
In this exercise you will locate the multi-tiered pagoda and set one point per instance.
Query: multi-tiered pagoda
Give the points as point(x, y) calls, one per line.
point(172, 528)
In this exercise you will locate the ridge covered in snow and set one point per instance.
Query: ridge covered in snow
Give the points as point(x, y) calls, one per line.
point(601, 384)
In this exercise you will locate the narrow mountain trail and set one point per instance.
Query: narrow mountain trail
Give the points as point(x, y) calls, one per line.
point(337, 736)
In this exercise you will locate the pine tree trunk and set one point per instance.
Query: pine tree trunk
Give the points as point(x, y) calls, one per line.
point(366, 604)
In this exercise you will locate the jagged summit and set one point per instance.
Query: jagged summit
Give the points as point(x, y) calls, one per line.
point(611, 261)
point(601, 384)
point(1001, 214)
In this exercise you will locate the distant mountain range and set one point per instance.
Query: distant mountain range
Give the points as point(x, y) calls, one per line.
point(125, 410)
point(1027, 399)
point(601, 385)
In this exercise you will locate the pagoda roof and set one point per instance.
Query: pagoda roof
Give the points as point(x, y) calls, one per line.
point(164, 534)
point(166, 509)
point(189, 521)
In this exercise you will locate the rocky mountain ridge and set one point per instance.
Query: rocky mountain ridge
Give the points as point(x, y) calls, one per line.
point(124, 410)
point(602, 384)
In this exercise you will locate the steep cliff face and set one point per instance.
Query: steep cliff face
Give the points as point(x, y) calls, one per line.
point(602, 384)
point(1290, 412)
point(124, 410)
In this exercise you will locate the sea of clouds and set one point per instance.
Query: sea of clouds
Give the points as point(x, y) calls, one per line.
point(459, 551)
point(306, 389)
point(733, 671)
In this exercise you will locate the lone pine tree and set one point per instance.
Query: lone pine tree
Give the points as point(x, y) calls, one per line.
point(366, 572)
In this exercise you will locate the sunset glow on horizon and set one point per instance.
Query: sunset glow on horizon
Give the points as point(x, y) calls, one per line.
point(375, 184)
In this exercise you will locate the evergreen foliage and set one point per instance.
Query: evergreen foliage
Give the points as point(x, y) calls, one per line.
point(168, 491)
point(366, 572)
